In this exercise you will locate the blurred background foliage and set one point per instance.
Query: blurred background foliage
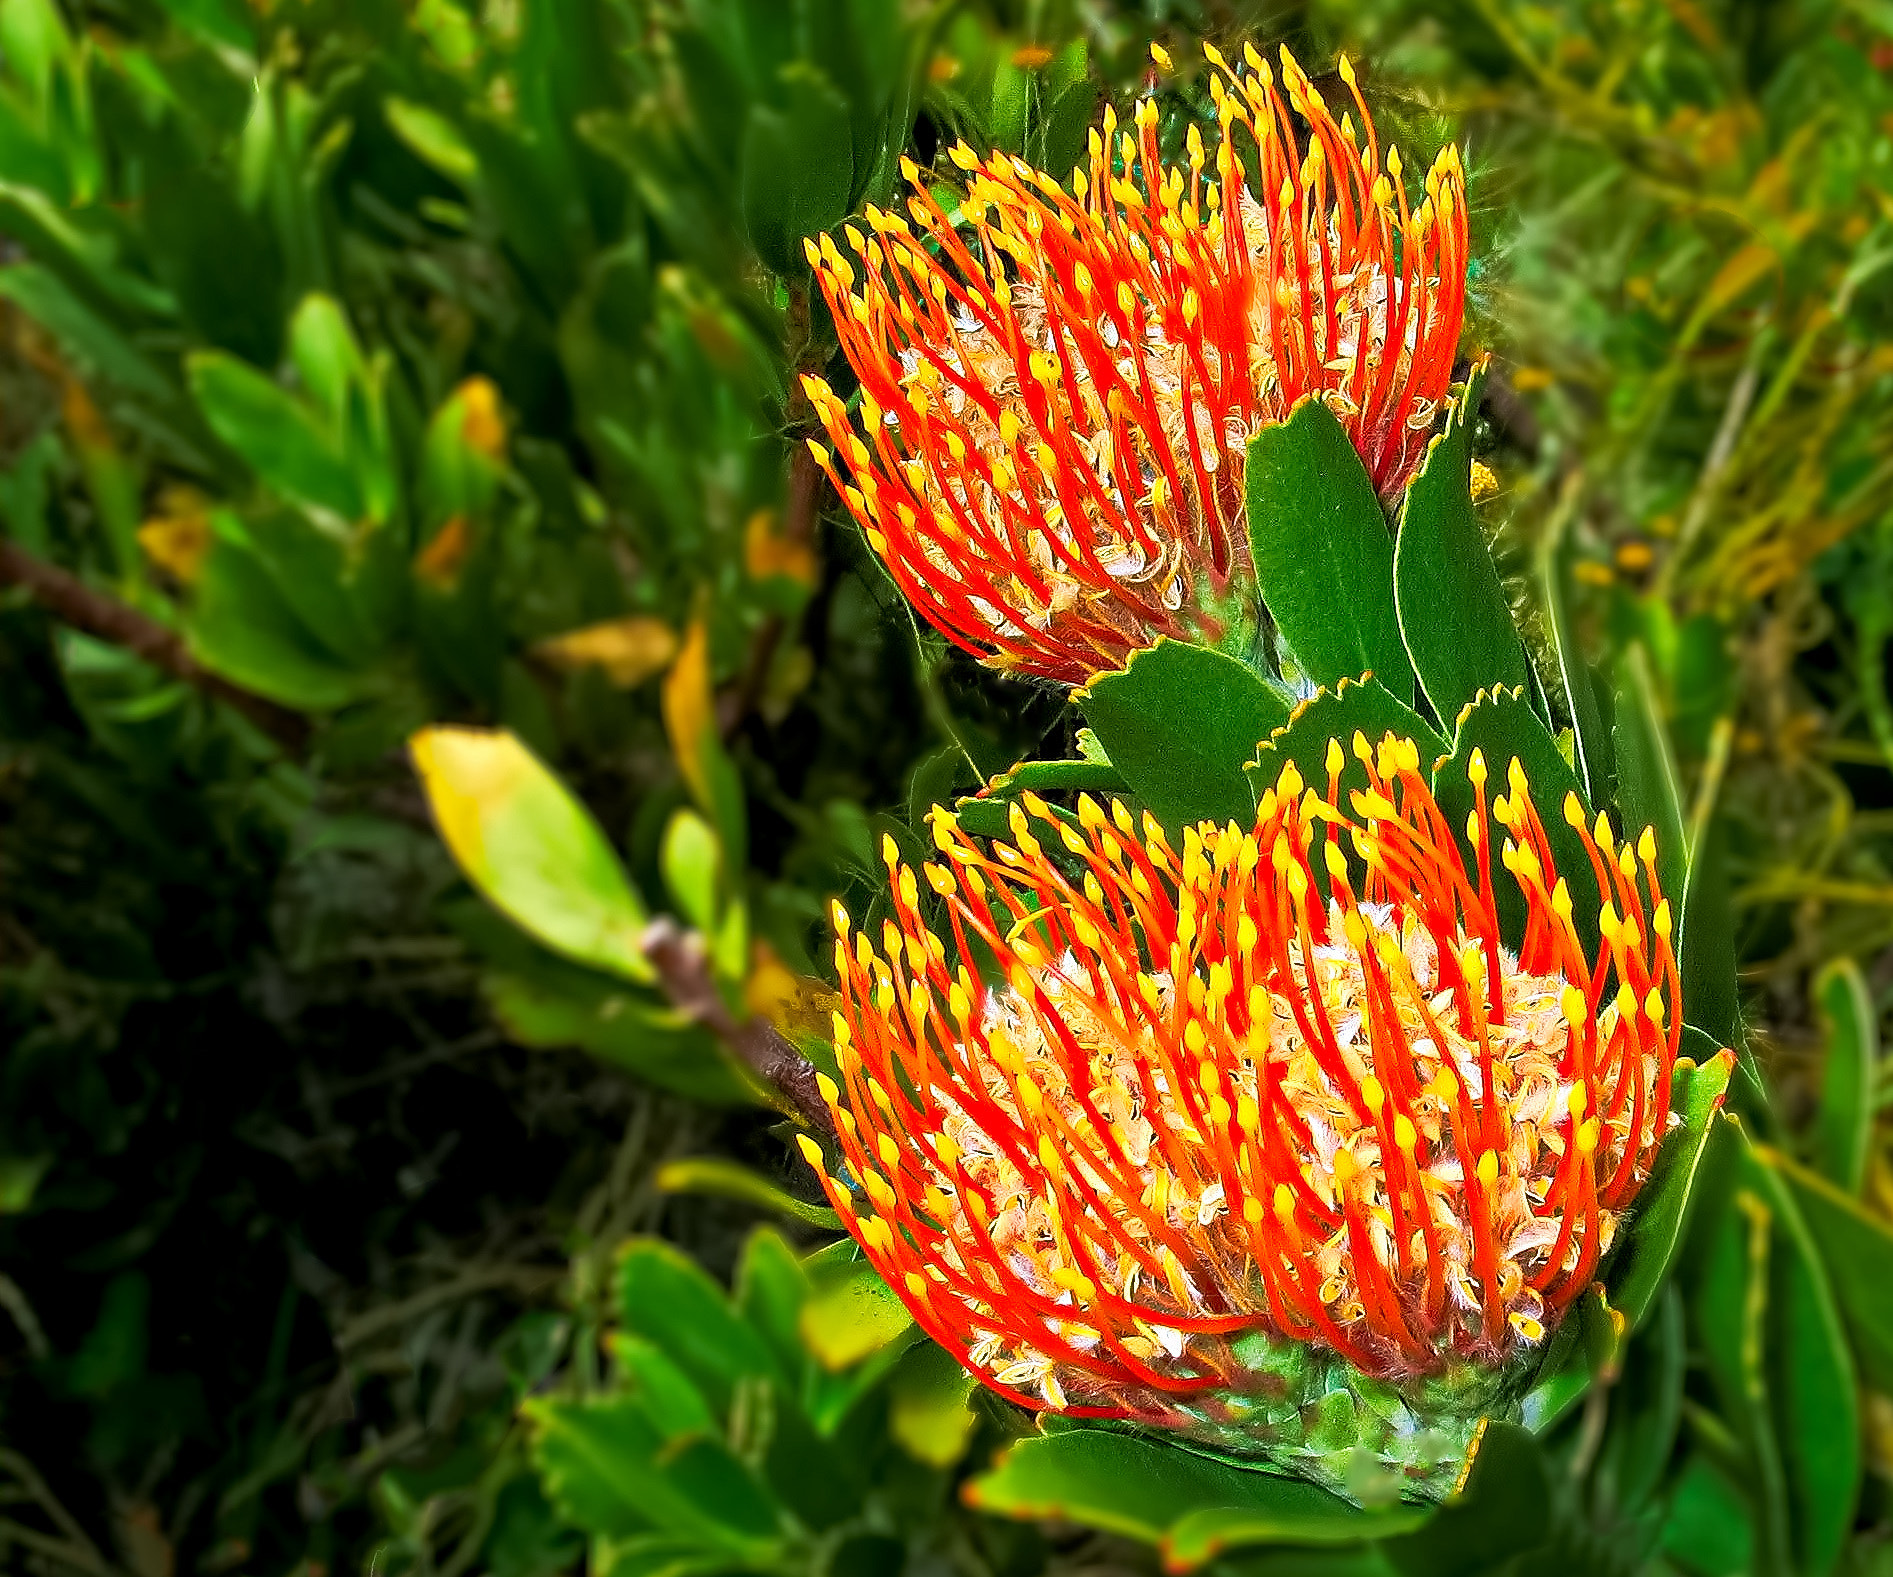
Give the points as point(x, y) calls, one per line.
point(365, 364)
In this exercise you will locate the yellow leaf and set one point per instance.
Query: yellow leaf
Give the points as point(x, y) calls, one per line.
point(628, 650)
point(690, 710)
point(481, 424)
point(1748, 264)
point(179, 535)
point(768, 553)
point(439, 562)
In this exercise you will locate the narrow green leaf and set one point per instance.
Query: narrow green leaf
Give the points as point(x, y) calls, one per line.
point(531, 847)
point(1323, 554)
point(1843, 1125)
point(242, 627)
point(1591, 742)
point(1453, 614)
point(1297, 1514)
point(1856, 1249)
point(1180, 723)
point(273, 434)
point(1354, 706)
point(1812, 1383)
point(726, 1179)
point(433, 139)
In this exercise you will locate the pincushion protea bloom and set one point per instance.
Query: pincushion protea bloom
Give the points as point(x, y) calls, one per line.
point(1058, 388)
point(1221, 1111)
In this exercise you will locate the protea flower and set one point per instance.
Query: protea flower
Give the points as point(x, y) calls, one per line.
point(1201, 1136)
point(1058, 387)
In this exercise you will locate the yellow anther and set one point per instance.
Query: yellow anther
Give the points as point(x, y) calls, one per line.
point(1404, 1133)
point(1578, 1100)
point(1577, 1010)
point(1574, 810)
point(830, 1091)
point(811, 1152)
point(1661, 921)
point(1160, 56)
point(1488, 1169)
point(1653, 1007)
point(1373, 1096)
point(1588, 1135)
point(1475, 768)
point(1646, 846)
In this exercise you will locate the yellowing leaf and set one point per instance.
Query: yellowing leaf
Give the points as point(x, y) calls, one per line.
point(851, 1318)
point(178, 536)
point(628, 650)
point(531, 848)
point(768, 553)
point(1747, 264)
point(481, 423)
point(690, 710)
point(439, 562)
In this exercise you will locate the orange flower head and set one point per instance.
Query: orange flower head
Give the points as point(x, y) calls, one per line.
point(1177, 1132)
point(1058, 387)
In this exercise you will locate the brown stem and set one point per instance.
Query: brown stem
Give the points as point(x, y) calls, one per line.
point(71, 601)
point(683, 970)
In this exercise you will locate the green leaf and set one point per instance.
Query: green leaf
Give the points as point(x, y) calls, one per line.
point(242, 627)
point(1639, 1268)
point(1323, 556)
point(691, 860)
point(852, 1315)
point(1843, 1124)
point(531, 847)
point(929, 1409)
point(797, 168)
point(1453, 614)
point(1645, 1409)
point(666, 1297)
point(1504, 1510)
point(269, 429)
point(770, 1288)
point(1148, 1489)
point(433, 139)
point(1590, 742)
point(612, 1472)
point(1708, 1524)
point(1180, 723)
point(726, 1179)
point(1856, 1249)
point(670, 1400)
point(1355, 706)
point(1503, 728)
point(1812, 1384)
point(98, 347)
point(1649, 792)
point(547, 1004)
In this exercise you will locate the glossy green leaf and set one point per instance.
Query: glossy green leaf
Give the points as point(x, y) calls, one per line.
point(1639, 1268)
point(852, 1315)
point(1323, 554)
point(1646, 1406)
point(930, 1410)
point(88, 338)
point(670, 1400)
point(1354, 706)
point(1812, 1383)
point(769, 1289)
point(1843, 1123)
point(1453, 614)
point(610, 1470)
point(1297, 1514)
point(1180, 723)
point(666, 1297)
point(1856, 1249)
point(798, 167)
point(1502, 728)
point(1145, 1488)
point(1708, 1523)
point(432, 138)
point(274, 435)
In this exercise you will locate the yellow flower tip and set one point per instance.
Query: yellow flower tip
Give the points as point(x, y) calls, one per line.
point(963, 156)
point(1336, 758)
point(1574, 811)
point(1476, 768)
point(1661, 921)
point(1160, 57)
point(830, 1091)
point(1576, 1009)
point(890, 851)
point(1346, 69)
point(811, 1152)
point(1488, 1169)
point(1646, 846)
